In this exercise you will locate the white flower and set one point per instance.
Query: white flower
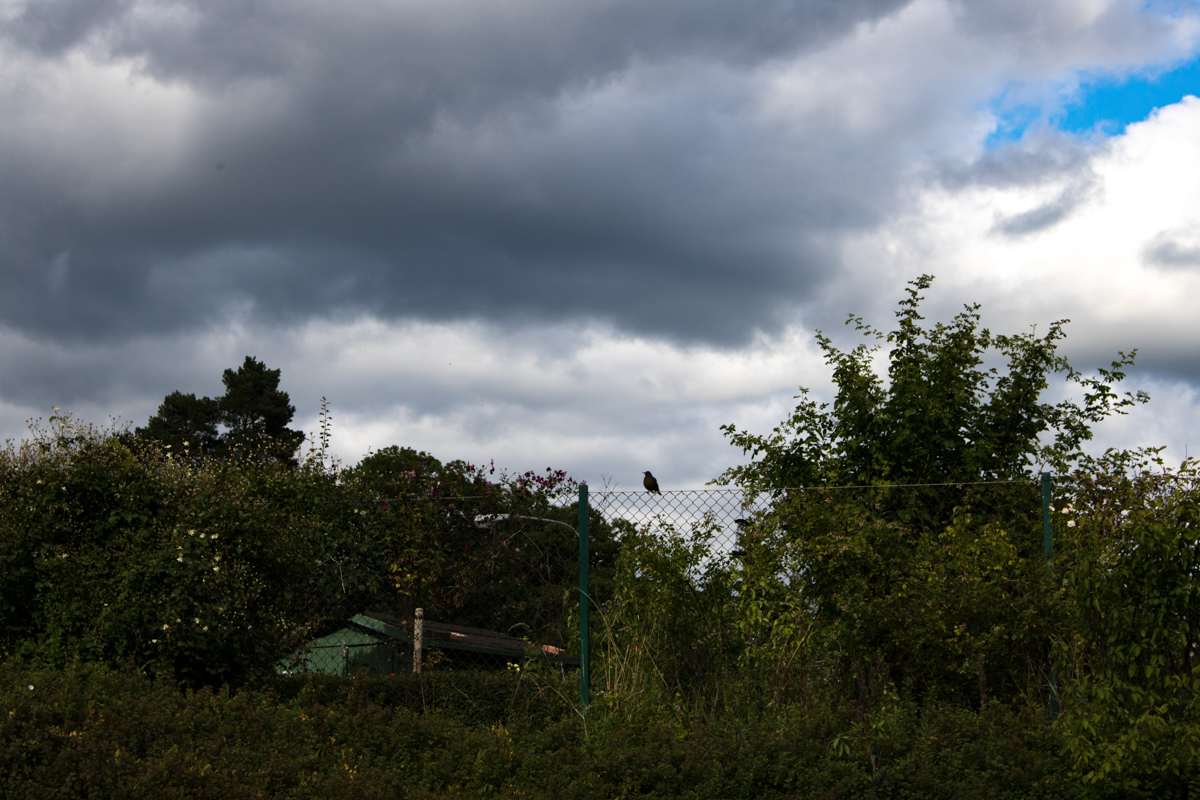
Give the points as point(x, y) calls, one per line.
point(1071, 524)
point(196, 620)
point(216, 569)
point(31, 685)
point(179, 559)
point(154, 641)
point(191, 532)
point(166, 626)
point(205, 627)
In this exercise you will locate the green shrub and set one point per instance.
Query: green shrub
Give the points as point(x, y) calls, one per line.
point(92, 732)
point(1129, 545)
point(117, 551)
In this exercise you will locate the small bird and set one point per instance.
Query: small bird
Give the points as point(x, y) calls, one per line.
point(650, 483)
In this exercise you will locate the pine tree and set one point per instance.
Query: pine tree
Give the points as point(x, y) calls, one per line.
point(253, 412)
point(185, 423)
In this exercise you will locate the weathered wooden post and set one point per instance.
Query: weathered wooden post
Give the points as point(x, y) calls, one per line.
point(418, 639)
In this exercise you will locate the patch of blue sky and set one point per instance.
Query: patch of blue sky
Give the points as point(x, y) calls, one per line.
point(1169, 8)
point(1102, 104)
point(1108, 106)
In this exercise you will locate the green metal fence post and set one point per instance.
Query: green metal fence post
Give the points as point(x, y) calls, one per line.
point(1048, 550)
point(1047, 529)
point(584, 665)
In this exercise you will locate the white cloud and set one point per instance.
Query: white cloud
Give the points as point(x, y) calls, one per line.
point(1090, 266)
point(584, 399)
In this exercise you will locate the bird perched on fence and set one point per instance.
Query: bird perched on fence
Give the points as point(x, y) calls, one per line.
point(650, 483)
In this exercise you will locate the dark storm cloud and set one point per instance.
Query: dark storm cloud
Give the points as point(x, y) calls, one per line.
point(525, 160)
point(452, 47)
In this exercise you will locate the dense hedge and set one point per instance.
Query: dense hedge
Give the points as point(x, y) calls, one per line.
point(117, 551)
point(90, 732)
point(840, 653)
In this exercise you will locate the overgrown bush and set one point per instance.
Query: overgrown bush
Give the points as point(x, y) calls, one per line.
point(1128, 553)
point(116, 550)
point(90, 732)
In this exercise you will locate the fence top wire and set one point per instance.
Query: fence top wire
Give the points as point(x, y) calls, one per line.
point(722, 511)
point(684, 510)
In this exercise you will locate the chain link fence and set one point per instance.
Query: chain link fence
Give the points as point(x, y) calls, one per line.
point(447, 584)
point(728, 597)
point(708, 599)
point(506, 590)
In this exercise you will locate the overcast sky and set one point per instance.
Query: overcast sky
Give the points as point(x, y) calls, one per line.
point(582, 235)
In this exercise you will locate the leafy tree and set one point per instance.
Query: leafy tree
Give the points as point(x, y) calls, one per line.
point(517, 575)
point(916, 546)
point(393, 470)
point(941, 417)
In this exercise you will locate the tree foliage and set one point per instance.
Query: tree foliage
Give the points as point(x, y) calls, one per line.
point(942, 415)
point(253, 412)
point(906, 518)
point(185, 422)
point(1128, 538)
point(211, 570)
point(519, 574)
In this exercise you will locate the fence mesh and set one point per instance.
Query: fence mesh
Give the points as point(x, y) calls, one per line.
point(447, 584)
point(726, 596)
point(673, 577)
point(708, 598)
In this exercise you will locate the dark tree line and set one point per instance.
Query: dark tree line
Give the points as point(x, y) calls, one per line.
point(251, 418)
